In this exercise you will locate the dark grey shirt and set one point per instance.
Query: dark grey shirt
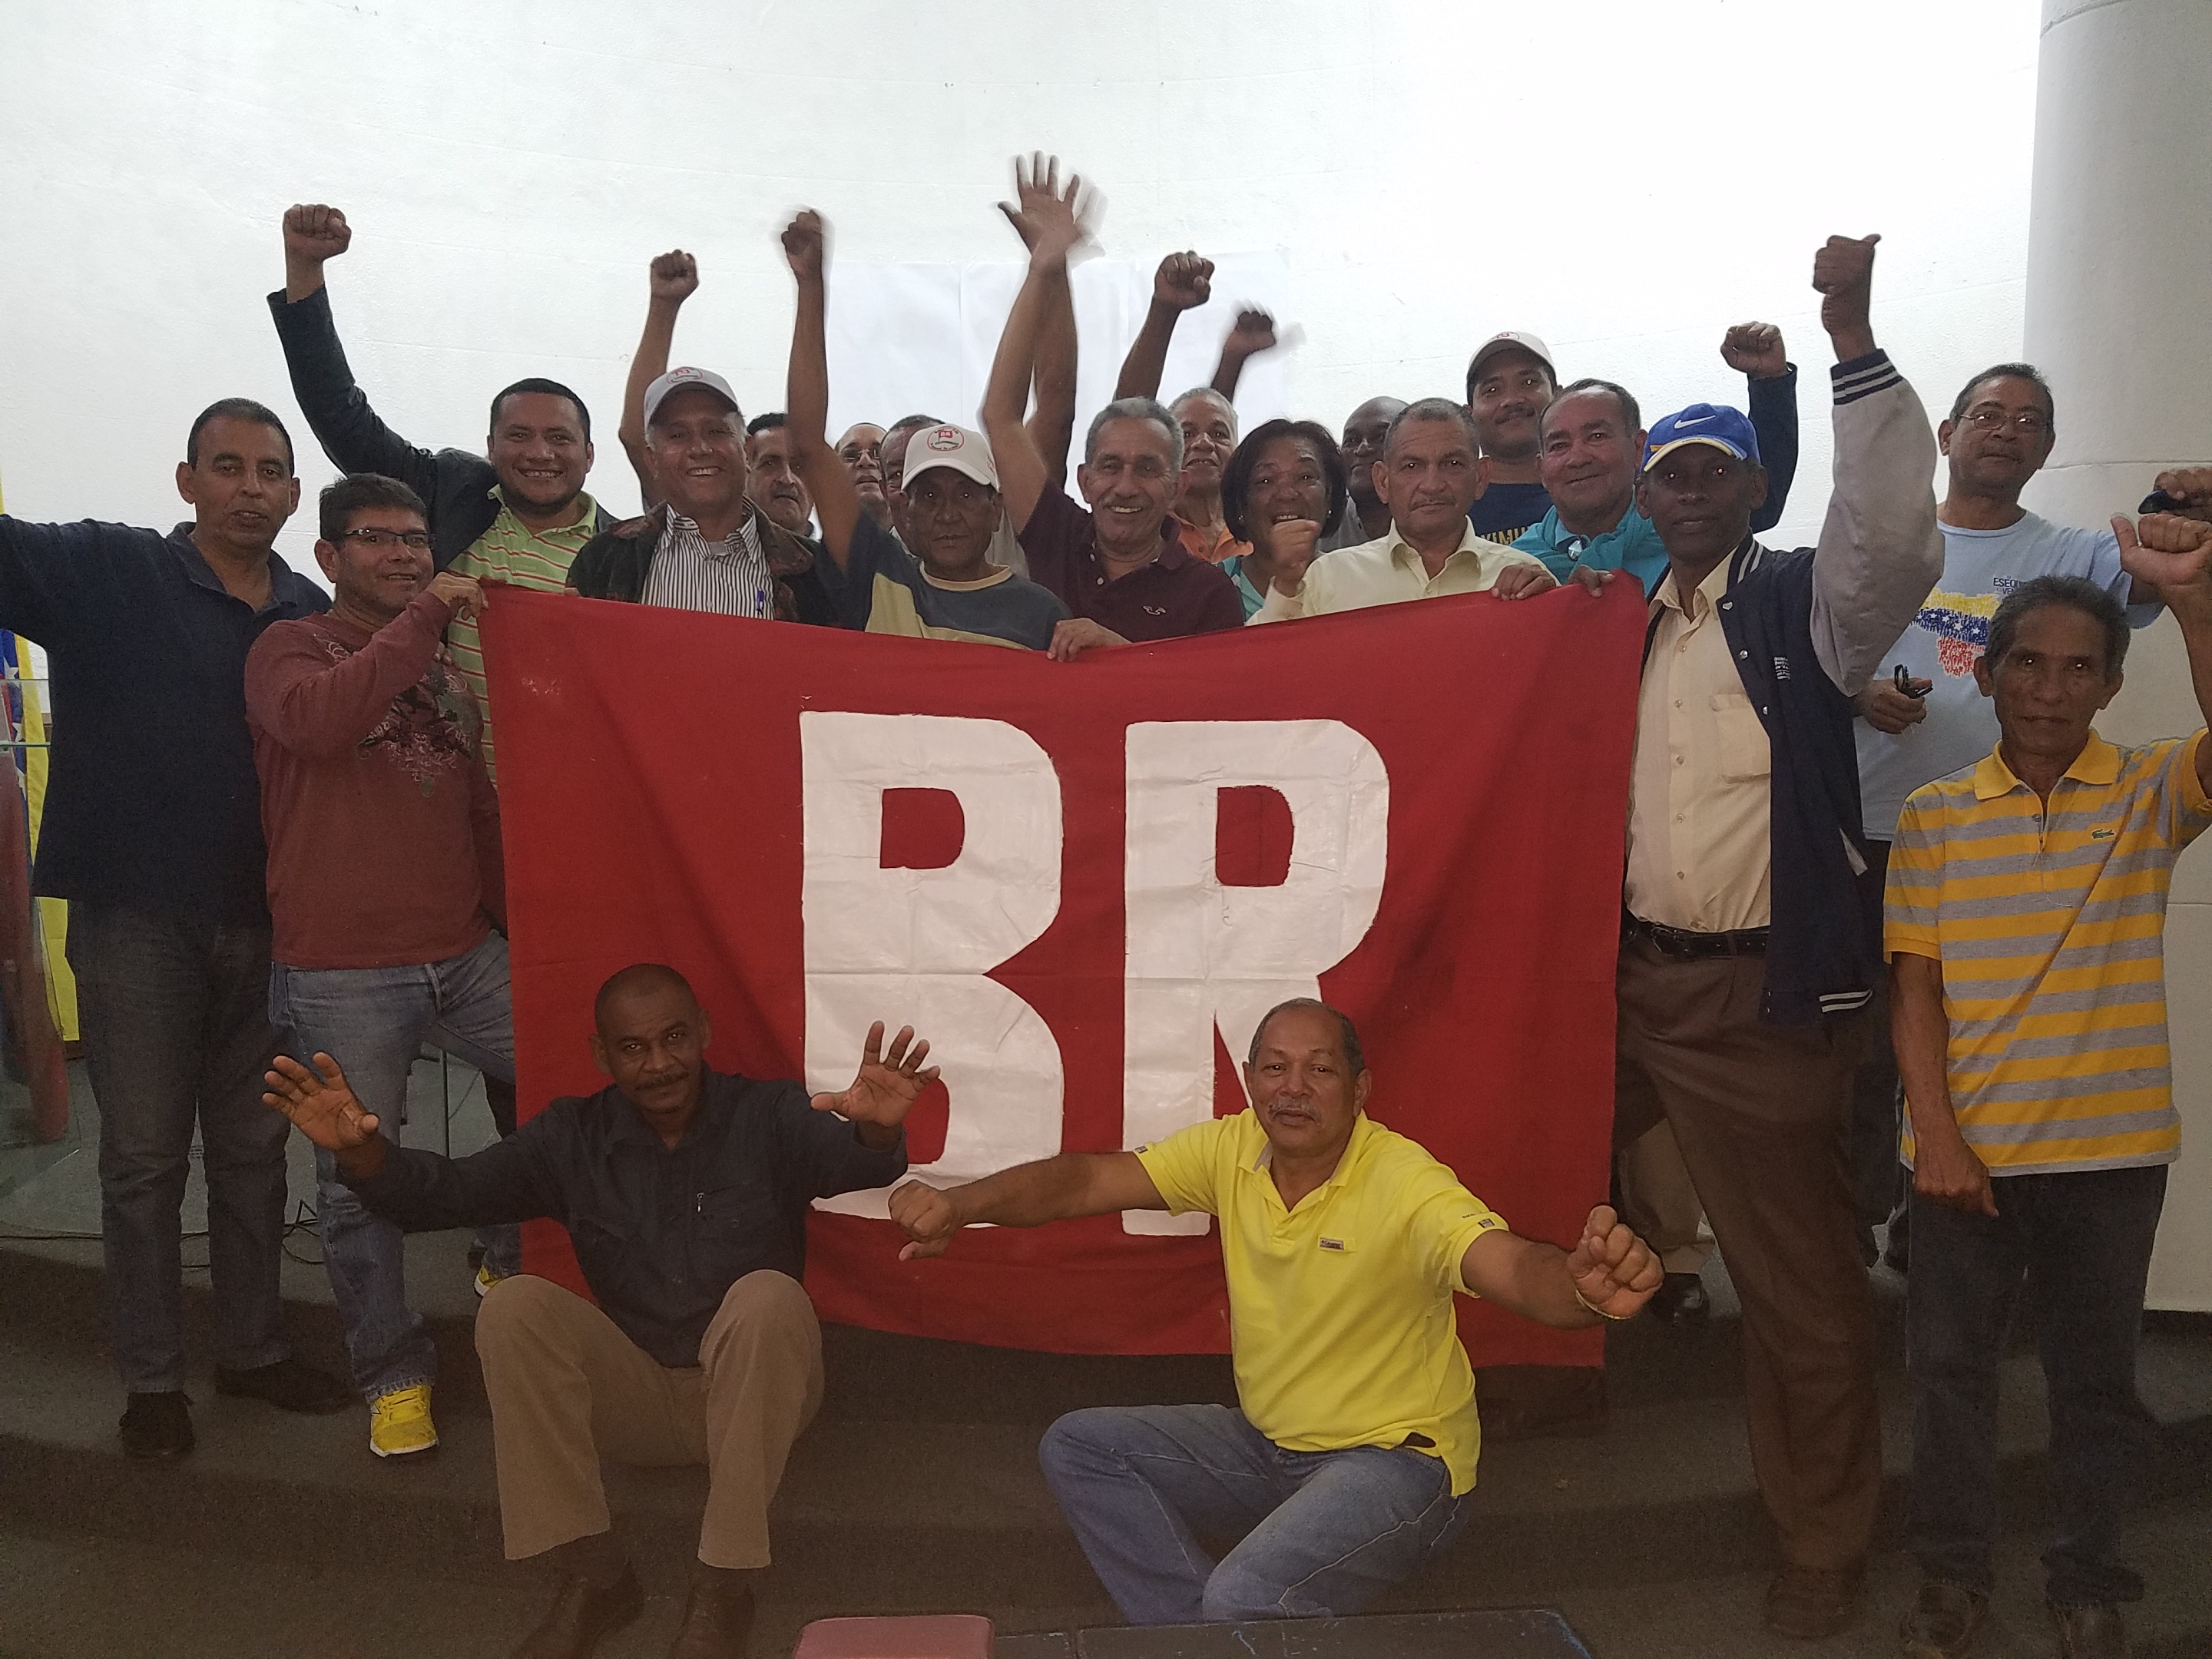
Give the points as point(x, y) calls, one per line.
point(661, 1232)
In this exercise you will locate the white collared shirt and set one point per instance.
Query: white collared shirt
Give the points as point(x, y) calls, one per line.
point(1389, 571)
point(730, 577)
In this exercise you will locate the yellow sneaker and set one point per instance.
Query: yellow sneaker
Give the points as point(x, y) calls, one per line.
point(485, 1280)
point(399, 1422)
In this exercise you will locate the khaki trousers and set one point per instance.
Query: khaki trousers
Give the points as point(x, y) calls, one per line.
point(568, 1388)
point(1660, 1201)
point(1758, 1112)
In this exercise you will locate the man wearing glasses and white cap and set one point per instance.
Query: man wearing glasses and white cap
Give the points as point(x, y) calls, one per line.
point(706, 547)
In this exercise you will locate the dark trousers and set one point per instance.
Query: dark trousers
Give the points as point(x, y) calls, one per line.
point(1878, 1183)
point(174, 1012)
point(2081, 1244)
point(1758, 1111)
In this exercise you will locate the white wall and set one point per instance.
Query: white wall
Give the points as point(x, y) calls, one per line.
point(2123, 236)
point(1624, 179)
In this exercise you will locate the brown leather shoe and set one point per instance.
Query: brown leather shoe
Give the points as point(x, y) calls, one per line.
point(1943, 1622)
point(1810, 1602)
point(2093, 1632)
point(718, 1616)
point(582, 1613)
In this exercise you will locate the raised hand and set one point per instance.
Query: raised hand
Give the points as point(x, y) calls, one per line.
point(1253, 333)
point(1613, 1269)
point(1886, 709)
point(1048, 218)
point(320, 1102)
point(806, 245)
point(1292, 545)
point(1184, 281)
point(928, 1217)
point(2190, 487)
point(1843, 272)
point(463, 593)
point(1755, 349)
point(887, 1085)
point(314, 233)
point(1523, 581)
point(674, 277)
point(2164, 551)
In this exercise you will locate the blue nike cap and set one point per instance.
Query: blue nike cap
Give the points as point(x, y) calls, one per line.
point(1703, 423)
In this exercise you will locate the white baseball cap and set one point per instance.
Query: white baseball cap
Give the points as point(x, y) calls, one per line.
point(953, 447)
point(676, 379)
point(1511, 341)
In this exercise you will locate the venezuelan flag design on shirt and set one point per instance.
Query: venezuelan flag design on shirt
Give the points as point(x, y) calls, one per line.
point(2050, 922)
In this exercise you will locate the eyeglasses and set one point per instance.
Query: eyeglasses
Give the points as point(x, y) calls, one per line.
point(418, 539)
point(2032, 422)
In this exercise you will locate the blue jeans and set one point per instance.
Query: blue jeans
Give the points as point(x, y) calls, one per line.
point(1325, 1532)
point(374, 1021)
point(174, 1012)
point(2081, 1243)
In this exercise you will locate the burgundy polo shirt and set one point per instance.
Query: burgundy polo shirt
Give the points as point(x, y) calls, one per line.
point(1173, 596)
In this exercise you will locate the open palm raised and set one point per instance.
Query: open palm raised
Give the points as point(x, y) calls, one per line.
point(887, 1085)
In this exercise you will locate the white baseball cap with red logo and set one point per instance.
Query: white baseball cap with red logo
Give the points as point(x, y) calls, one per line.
point(953, 447)
point(676, 379)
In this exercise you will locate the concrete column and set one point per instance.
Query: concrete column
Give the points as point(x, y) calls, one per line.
point(2119, 316)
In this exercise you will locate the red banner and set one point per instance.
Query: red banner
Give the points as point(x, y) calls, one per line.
point(1085, 883)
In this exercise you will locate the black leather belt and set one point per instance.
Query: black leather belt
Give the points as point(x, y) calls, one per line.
point(1684, 945)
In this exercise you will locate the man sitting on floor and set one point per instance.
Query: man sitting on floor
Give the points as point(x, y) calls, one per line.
point(1350, 1463)
point(686, 1192)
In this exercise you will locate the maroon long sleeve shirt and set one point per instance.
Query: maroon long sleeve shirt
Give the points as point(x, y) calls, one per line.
point(382, 827)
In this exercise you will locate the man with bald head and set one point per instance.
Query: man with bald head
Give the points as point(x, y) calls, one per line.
point(1364, 429)
point(685, 1190)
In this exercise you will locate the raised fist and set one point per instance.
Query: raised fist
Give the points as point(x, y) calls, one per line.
point(2164, 551)
point(674, 275)
point(805, 245)
point(1253, 333)
point(314, 233)
point(1184, 281)
point(1755, 349)
point(1843, 272)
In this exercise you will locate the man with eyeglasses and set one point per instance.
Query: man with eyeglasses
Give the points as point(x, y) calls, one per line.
point(385, 883)
point(153, 834)
point(2000, 433)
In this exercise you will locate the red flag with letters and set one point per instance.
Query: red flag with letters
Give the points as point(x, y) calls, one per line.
point(1085, 883)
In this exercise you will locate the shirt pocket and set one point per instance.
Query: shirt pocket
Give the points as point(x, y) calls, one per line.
point(1746, 751)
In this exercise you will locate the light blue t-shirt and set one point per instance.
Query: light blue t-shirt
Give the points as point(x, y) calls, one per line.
point(1980, 567)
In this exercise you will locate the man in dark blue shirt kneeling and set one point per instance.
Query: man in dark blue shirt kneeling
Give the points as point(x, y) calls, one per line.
point(686, 1191)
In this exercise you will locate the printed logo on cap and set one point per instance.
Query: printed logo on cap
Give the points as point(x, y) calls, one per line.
point(944, 439)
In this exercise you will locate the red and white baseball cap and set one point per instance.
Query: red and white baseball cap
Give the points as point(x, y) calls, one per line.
point(953, 447)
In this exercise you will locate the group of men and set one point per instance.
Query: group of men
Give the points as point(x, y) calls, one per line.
point(1880, 746)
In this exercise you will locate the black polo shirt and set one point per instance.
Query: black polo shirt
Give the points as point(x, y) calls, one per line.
point(661, 1232)
point(151, 798)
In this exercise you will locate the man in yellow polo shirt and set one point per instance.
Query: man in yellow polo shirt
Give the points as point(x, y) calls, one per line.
point(1350, 1461)
point(2024, 923)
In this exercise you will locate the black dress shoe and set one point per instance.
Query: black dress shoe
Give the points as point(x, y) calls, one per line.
point(157, 1425)
point(718, 1616)
point(1682, 1299)
point(288, 1385)
point(584, 1611)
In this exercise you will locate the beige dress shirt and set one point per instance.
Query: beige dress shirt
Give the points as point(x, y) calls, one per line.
point(1700, 803)
point(1387, 571)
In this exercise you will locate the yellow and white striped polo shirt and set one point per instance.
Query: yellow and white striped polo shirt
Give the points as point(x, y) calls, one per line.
point(2051, 924)
point(510, 551)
